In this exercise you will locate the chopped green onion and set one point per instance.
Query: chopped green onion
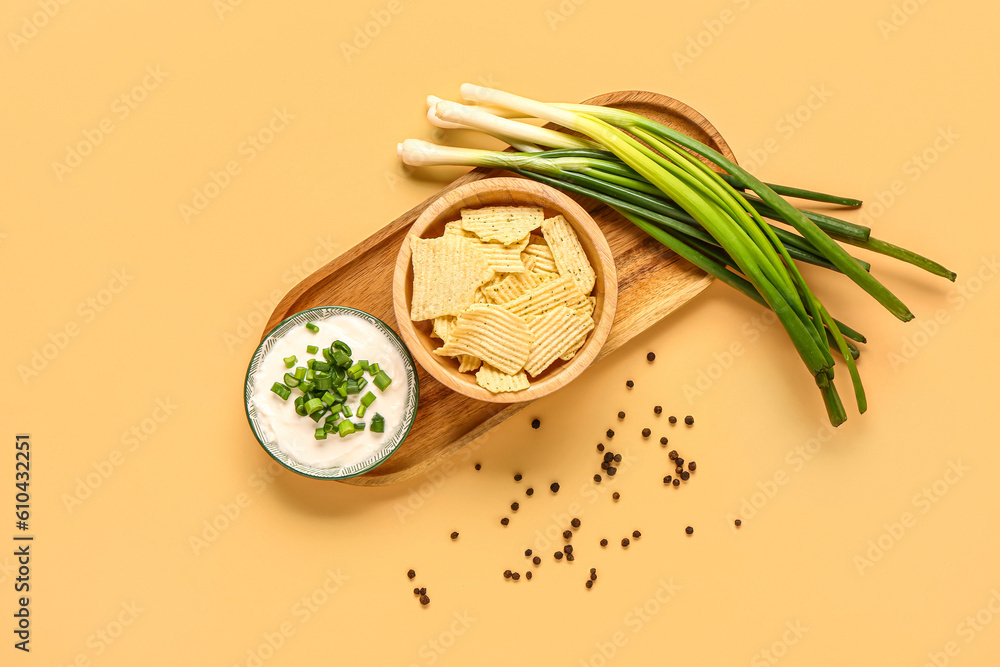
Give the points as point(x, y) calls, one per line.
point(290, 380)
point(328, 399)
point(368, 399)
point(290, 361)
point(352, 387)
point(300, 406)
point(346, 411)
point(330, 426)
point(325, 382)
point(300, 373)
point(345, 428)
point(362, 409)
point(327, 354)
point(362, 383)
point(313, 404)
point(321, 434)
point(312, 349)
point(281, 390)
point(355, 371)
point(312, 327)
point(311, 364)
point(364, 364)
point(306, 385)
point(316, 416)
point(373, 369)
point(341, 359)
point(335, 410)
point(321, 366)
point(382, 380)
point(342, 346)
point(359, 426)
point(310, 373)
point(378, 424)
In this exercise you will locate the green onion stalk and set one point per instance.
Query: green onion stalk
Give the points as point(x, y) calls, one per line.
point(653, 176)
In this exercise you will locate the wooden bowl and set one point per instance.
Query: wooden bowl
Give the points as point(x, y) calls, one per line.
point(505, 192)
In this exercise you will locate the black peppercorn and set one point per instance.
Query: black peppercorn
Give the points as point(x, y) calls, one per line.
point(650, 356)
point(558, 555)
point(663, 441)
point(677, 482)
point(504, 521)
point(604, 543)
point(570, 557)
point(616, 495)
point(410, 574)
point(424, 600)
point(692, 466)
point(609, 457)
point(636, 534)
point(657, 409)
point(454, 535)
point(536, 560)
point(527, 575)
point(575, 523)
point(568, 534)
point(689, 530)
point(416, 591)
point(568, 549)
point(529, 491)
point(611, 471)
point(629, 384)
point(685, 475)
point(535, 423)
point(554, 486)
point(679, 461)
point(618, 458)
point(514, 506)
point(479, 466)
point(646, 432)
point(666, 480)
point(672, 419)
point(689, 420)
point(672, 455)
point(590, 584)
point(610, 433)
point(515, 576)
point(527, 552)
point(600, 446)
point(597, 478)
point(517, 477)
point(625, 542)
point(738, 523)
point(621, 415)
point(507, 574)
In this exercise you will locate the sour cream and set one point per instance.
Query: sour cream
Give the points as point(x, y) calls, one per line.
point(295, 435)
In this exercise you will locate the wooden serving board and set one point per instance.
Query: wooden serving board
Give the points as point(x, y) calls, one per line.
point(652, 282)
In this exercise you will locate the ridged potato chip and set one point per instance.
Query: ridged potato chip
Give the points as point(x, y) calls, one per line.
point(506, 224)
point(446, 273)
point(468, 363)
point(493, 380)
point(491, 333)
point(503, 258)
point(555, 333)
point(455, 227)
point(570, 258)
point(443, 326)
point(538, 301)
point(513, 286)
point(541, 256)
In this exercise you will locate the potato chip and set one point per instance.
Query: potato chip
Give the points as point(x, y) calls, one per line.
point(514, 285)
point(491, 333)
point(503, 258)
point(443, 326)
point(538, 301)
point(446, 272)
point(543, 261)
point(506, 224)
point(455, 227)
point(536, 239)
point(555, 334)
point(468, 363)
point(493, 380)
point(570, 258)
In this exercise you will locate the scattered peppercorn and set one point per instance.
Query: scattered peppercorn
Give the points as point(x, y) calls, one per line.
point(416, 591)
point(738, 523)
point(568, 534)
point(570, 557)
point(636, 534)
point(410, 574)
point(535, 423)
point(611, 471)
point(575, 523)
point(554, 486)
point(609, 457)
point(604, 543)
point(646, 432)
point(689, 420)
point(600, 446)
point(597, 478)
point(527, 575)
point(666, 480)
point(479, 466)
point(625, 542)
point(514, 506)
point(672, 455)
point(679, 461)
point(621, 415)
point(423, 591)
point(657, 409)
point(616, 495)
point(568, 549)
point(454, 535)
point(589, 583)
point(678, 470)
point(529, 491)
point(685, 475)
point(618, 458)
point(663, 441)
point(610, 433)
point(536, 560)
point(515, 576)
point(650, 356)
point(689, 530)
point(507, 574)
point(604, 465)
point(558, 555)
point(527, 552)
point(672, 419)
point(504, 521)
point(677, 482)
point(517, 477)
point(424, 600)
point(593, 573)
point(692, 466)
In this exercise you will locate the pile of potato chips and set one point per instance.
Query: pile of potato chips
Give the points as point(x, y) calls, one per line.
point(505, 301)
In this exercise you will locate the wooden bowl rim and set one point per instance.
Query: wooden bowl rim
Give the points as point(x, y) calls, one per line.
point(577, 216)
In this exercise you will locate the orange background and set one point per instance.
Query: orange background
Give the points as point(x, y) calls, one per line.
point(135, 304)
